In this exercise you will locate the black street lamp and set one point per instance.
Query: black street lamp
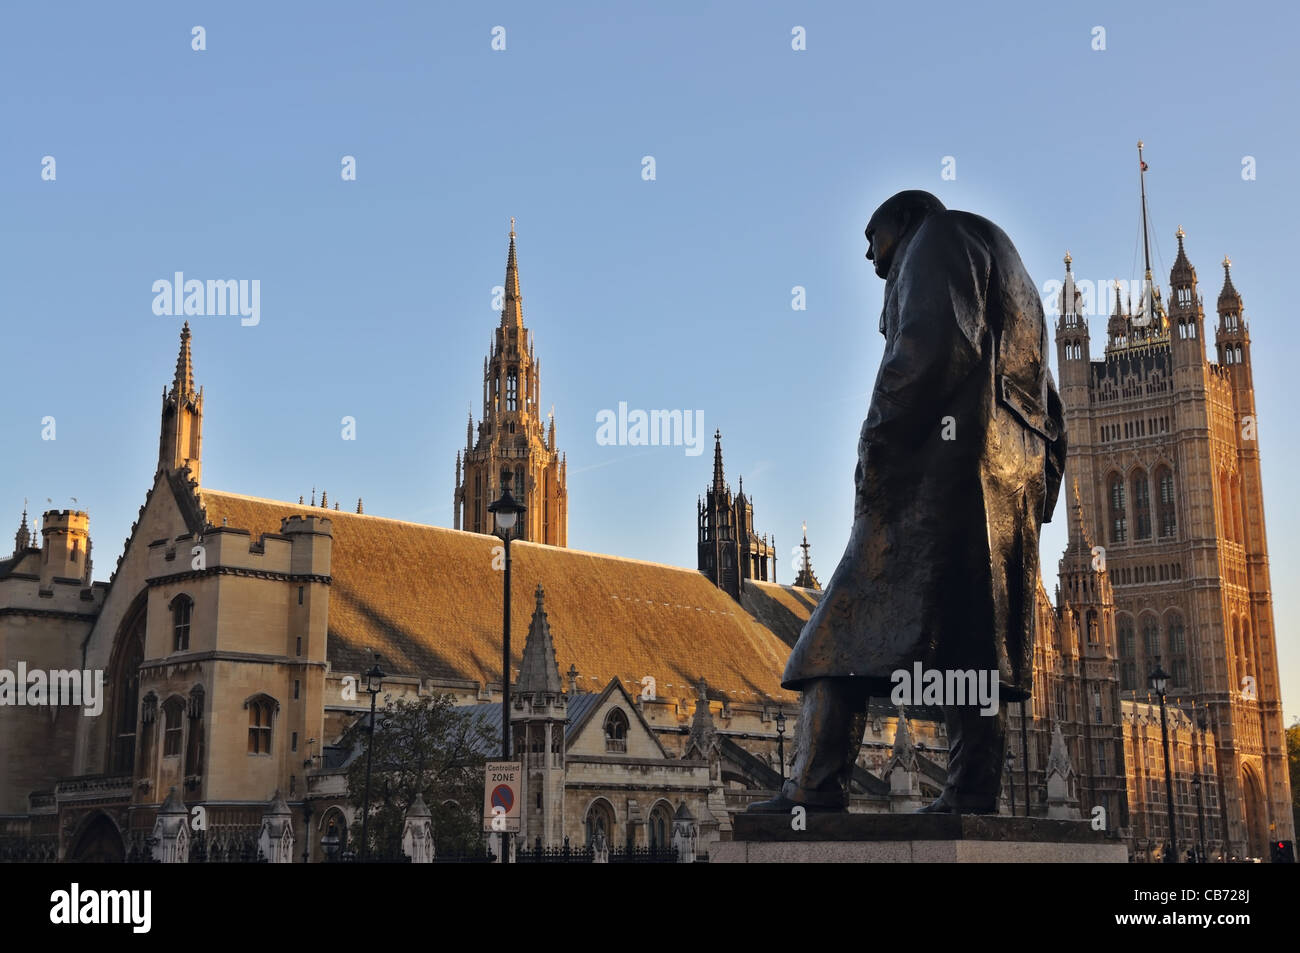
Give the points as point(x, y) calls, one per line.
point(374, 679)
point(507, 511)
point(1202, 724)
point(780, 743)
point(1011, 775)
point(306, 829)
point(1159, 680)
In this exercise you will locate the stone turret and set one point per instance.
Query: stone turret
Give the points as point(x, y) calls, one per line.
point(538, 715)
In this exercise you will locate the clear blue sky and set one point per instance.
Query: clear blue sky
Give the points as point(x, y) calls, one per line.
point(376, 294)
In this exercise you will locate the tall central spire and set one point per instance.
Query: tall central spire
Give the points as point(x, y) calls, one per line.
point(513, 312)
point(512, 434)
point(183, 382)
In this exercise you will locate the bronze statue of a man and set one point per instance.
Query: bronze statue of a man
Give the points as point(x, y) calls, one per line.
point(959, 462)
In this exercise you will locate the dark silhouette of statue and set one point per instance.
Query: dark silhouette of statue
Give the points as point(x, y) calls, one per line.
point(959, 462)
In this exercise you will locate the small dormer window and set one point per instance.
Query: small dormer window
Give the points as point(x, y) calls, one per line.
point(616, 731)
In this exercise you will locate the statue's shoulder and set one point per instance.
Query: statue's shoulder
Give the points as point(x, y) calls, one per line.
point(975, 227)
point(953, 235)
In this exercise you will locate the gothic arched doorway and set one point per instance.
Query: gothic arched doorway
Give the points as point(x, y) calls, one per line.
point(1257, 833)
point(99, 843)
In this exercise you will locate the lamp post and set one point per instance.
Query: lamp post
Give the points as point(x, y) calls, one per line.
point(1011, 775)
point(506, 509)
point(374, 679)
point(1159, 680)
point(780, 743)
point(1202, 724)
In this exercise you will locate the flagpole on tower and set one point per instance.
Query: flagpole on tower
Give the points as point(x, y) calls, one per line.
point(1151, 306)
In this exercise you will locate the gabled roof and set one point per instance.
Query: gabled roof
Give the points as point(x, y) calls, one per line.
point(488, 715)
point(579, 721)
point(428, 599)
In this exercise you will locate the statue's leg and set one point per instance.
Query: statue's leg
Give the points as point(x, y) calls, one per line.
point(831, 721)
point(977, 748)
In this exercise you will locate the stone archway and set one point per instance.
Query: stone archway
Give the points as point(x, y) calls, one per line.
point(1257, 833)
point(99, 843)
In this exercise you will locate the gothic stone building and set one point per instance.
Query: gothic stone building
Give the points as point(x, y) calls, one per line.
point(1164, 449)
point(231, 622)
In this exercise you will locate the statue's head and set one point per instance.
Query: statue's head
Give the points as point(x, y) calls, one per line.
point(894, 222)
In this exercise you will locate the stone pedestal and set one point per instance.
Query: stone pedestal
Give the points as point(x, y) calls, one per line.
point(915, 838)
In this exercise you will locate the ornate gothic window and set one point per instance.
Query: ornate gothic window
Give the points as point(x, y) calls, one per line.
point(194, 743)
point(660, 828)
point(1141, 506)
point(512, 389)
point(1127, 644)
point(1166, 517)
point(261, 716)
point(1118, 516)
point(616, 731)
point(182, 608)
point(173, 726)
point(1150, 637)
point(1177, 636)
point(1176, 640)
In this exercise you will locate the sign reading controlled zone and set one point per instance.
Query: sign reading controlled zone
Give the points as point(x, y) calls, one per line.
point(501, 796)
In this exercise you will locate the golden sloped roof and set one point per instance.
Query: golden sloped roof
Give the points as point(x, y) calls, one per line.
point(429, 601)
point(782, 609)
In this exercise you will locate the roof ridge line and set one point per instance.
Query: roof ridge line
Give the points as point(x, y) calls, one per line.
point(333, 514)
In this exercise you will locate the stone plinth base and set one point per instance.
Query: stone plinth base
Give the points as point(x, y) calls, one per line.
point(915, 839)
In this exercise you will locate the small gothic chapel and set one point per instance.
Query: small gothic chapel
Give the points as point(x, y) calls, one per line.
point(510, 435)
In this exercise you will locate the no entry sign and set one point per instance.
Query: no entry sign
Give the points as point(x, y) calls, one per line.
point(501, 796)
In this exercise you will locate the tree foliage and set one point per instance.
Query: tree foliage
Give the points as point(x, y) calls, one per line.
point(424, 746)
point(1293, 764)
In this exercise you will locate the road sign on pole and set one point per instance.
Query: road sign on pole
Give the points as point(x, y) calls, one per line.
point(501, 797)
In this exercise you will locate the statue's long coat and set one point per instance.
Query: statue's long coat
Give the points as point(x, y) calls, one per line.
point(959, 461)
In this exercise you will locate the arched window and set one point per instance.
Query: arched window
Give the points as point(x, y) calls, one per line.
point(1225, 505)
point(194, 744)
point(334, 834)
point(1247, 650)
point(1166, 518)
point(1118, 516)
point(1177, 635)
point(660, 829)
point(616, 731)
point(599, 824)
point(1141, 505)
point(1124, 628)
point(173, 726)
point(261, 718)
point(1234, 490)
point(1128, 677)
point(1176, 641)
point(512, 389)
point(1150, 638)
point(128, 654)
point(182, 608)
